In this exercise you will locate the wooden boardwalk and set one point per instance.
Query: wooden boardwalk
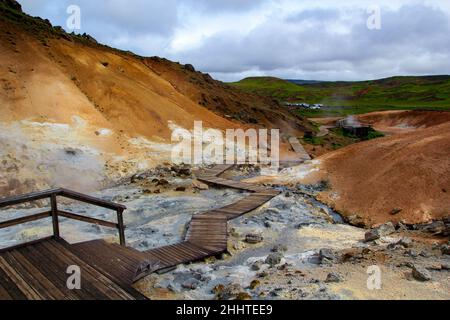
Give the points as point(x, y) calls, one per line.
point(37, 271)
point(207, 234)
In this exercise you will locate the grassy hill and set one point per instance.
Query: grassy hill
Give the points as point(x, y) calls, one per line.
point(344, 98)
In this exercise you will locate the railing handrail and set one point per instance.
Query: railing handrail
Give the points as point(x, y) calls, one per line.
point(55, 213)
point(34, 196)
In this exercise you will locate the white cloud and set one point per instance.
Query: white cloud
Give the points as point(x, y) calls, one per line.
point(287, 38)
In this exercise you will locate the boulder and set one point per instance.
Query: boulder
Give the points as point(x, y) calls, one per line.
point(189, 67)
point(356, 220)
point(386, 229)
point(421, 274)
point(229, 292)
point(253, 238)
point(445, 249)
point(333, 277)
point(403, 242)
point(190, 284)
point(254, 284)
point(274, 259)
point(372, 235)
point(326, 256)
point(382, 231)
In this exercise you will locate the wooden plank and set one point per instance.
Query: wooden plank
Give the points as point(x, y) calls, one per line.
point(50, 288)
point(45, 263)
point(28, 277)
point(109, 289)
point(4, 295)
point(22, 285)
point(22, 220)
point(10, 287)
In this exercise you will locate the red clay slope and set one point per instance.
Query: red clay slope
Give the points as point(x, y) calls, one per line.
point(408, 171)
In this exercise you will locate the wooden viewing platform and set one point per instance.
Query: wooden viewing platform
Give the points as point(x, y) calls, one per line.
point(37, 270)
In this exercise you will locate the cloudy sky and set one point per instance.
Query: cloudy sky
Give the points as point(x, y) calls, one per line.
point(291, 39)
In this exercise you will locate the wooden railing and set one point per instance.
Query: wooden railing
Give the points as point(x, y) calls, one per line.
point(54, 213)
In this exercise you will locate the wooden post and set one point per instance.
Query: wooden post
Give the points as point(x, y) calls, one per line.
point(121, 227)
point(55, 220)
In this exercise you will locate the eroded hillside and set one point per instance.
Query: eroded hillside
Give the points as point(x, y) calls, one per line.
point(76, 113)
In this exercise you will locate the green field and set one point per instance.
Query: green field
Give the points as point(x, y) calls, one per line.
point(345, 98)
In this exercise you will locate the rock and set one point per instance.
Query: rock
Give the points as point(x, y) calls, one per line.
point(200, 186)
point(162, 182)
point(243, 296)
point(356, 220)
point(445, 266)
point(180, 189)
point(396, 211)
point(253, 238)
point(262, 274)
point(229, 292)
point(382, 231)
point(190, 284)
point(402, 227)
point(435, 228)
point(274, 259)
point(425, 254)
point(435, 267)
point(351, 255)
point(411, 253)
point(256, 266)
point(371, 235)
point(280, 248)
point(333, 277)
point(421, 274)
point(445, 249)
point(386, 229)
point(189, 67)
point(218, 289)
point(405, 242)
point(181, 170)
point(254, 284)
point(326, 256)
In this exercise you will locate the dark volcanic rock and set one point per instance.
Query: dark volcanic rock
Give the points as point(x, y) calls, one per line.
point(326, 256)
point(333, 277)
point(421, 274)
point(254, 238)
point(189, 67)
point(274, 258)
